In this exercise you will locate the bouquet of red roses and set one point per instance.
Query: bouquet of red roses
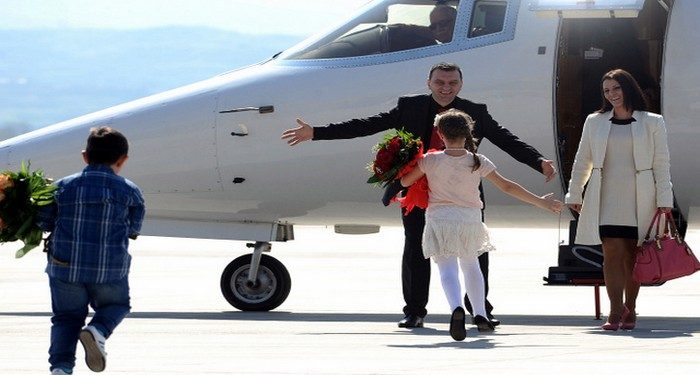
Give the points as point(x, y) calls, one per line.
point(397, 154)
point(21, 195)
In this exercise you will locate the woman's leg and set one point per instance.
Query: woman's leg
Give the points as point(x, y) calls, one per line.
point(614, 271)
point(631, 285)
point(449, 277)
point(474, 284)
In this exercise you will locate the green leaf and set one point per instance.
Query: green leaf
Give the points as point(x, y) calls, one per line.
point(24, 250)
point(30, 191)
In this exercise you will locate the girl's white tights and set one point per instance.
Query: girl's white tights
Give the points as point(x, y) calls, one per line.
point(473, 282)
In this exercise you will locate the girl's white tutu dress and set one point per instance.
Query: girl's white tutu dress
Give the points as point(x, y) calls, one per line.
point(455, 231)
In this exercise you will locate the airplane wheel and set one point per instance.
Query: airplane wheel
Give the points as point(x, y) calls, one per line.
point(269, 291)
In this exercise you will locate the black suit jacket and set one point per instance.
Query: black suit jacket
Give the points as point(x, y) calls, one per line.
point(411, 114)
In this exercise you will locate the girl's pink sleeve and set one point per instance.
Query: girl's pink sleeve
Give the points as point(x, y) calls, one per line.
point(487, 166)
point(425, 162)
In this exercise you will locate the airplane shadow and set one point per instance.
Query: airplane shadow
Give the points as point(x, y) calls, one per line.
point(651, 327)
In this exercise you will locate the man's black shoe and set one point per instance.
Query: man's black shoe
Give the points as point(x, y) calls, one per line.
point(411, 321)
point(494, 322)
point(483, 324)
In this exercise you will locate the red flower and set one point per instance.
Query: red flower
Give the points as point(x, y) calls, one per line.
point(394, 145)
point(384, 161)
point(394, 153)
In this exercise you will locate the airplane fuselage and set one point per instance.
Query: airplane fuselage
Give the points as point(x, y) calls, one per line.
point(212, 164)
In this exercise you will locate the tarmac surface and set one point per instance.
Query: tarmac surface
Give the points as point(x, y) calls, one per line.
point(341, 314)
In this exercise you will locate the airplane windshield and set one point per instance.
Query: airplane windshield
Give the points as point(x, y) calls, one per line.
point(389, 26)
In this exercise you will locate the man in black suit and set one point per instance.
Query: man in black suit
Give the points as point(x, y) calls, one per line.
point(416, 115)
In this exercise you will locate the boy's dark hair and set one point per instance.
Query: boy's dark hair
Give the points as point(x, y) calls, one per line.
point(105, 146)
point(455, 124)
point(445, 66)
point(633, 96)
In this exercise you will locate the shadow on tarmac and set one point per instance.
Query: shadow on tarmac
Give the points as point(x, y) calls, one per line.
point(647, 327)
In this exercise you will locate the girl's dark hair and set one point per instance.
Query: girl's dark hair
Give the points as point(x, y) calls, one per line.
point(455, 124)
point(634, 99)
point(105, 146)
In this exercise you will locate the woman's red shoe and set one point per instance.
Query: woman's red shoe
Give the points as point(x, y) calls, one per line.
point(612, 324)
point(629, 320)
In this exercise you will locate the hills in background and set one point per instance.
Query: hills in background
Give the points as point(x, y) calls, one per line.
point(47, 76)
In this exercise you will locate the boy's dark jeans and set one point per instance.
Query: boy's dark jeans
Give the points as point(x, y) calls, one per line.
point(69, 303)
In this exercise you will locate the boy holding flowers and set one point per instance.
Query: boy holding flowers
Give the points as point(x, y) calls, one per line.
point(94, 214)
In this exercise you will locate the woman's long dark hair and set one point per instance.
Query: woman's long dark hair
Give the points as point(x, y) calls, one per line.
point(455, 124)
point(634, 99)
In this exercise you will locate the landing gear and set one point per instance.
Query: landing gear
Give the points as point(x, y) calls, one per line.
point(256, 282)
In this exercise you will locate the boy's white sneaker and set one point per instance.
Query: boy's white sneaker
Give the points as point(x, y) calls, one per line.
point(58, 371)
point(94, 344)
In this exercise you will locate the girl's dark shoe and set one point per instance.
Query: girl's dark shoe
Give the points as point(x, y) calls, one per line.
point(483, 324)
point(457, 329)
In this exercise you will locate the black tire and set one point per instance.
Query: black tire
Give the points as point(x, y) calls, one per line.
point(270, 290)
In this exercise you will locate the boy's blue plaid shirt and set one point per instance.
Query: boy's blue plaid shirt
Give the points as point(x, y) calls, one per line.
point(94, 214)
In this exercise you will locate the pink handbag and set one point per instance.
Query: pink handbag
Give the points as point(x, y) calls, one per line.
point(665, 256)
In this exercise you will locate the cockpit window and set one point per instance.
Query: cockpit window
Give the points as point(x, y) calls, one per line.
point(394, 26)
point(487, 17)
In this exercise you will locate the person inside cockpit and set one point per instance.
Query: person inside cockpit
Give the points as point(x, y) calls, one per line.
point(400, 27)
point(442, 23)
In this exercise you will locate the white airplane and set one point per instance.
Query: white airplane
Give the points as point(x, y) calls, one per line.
point(211, 164)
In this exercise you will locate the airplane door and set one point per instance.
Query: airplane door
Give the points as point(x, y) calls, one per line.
point(595, 37)
point(239, 137)
point(248, 165)
point(681, 107)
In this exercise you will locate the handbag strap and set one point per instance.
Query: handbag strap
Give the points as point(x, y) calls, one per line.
point(655, 220)
point(672, 224)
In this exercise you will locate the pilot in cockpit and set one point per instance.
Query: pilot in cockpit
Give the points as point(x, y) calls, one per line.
point(442, 23)
point(439, 31)
point(382, 32)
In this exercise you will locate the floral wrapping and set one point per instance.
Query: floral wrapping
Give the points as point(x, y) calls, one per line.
point(21, 195)
point(397, 155)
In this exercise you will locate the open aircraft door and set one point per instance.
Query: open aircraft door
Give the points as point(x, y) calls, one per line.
point(679, 84)
point(595, 37)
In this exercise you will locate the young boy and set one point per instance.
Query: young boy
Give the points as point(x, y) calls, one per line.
point(94, 214)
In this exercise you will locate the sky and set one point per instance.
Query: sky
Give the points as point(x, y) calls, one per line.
point(295, 18)
point(291, 17)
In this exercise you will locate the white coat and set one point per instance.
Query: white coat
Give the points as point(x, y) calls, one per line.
point(651, 160)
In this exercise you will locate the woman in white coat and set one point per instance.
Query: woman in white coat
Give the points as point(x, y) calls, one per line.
point(623, 156)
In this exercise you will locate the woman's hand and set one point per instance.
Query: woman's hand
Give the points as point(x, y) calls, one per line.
point(575, 206)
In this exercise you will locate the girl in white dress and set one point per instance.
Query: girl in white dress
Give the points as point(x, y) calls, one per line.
point(454, 235)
